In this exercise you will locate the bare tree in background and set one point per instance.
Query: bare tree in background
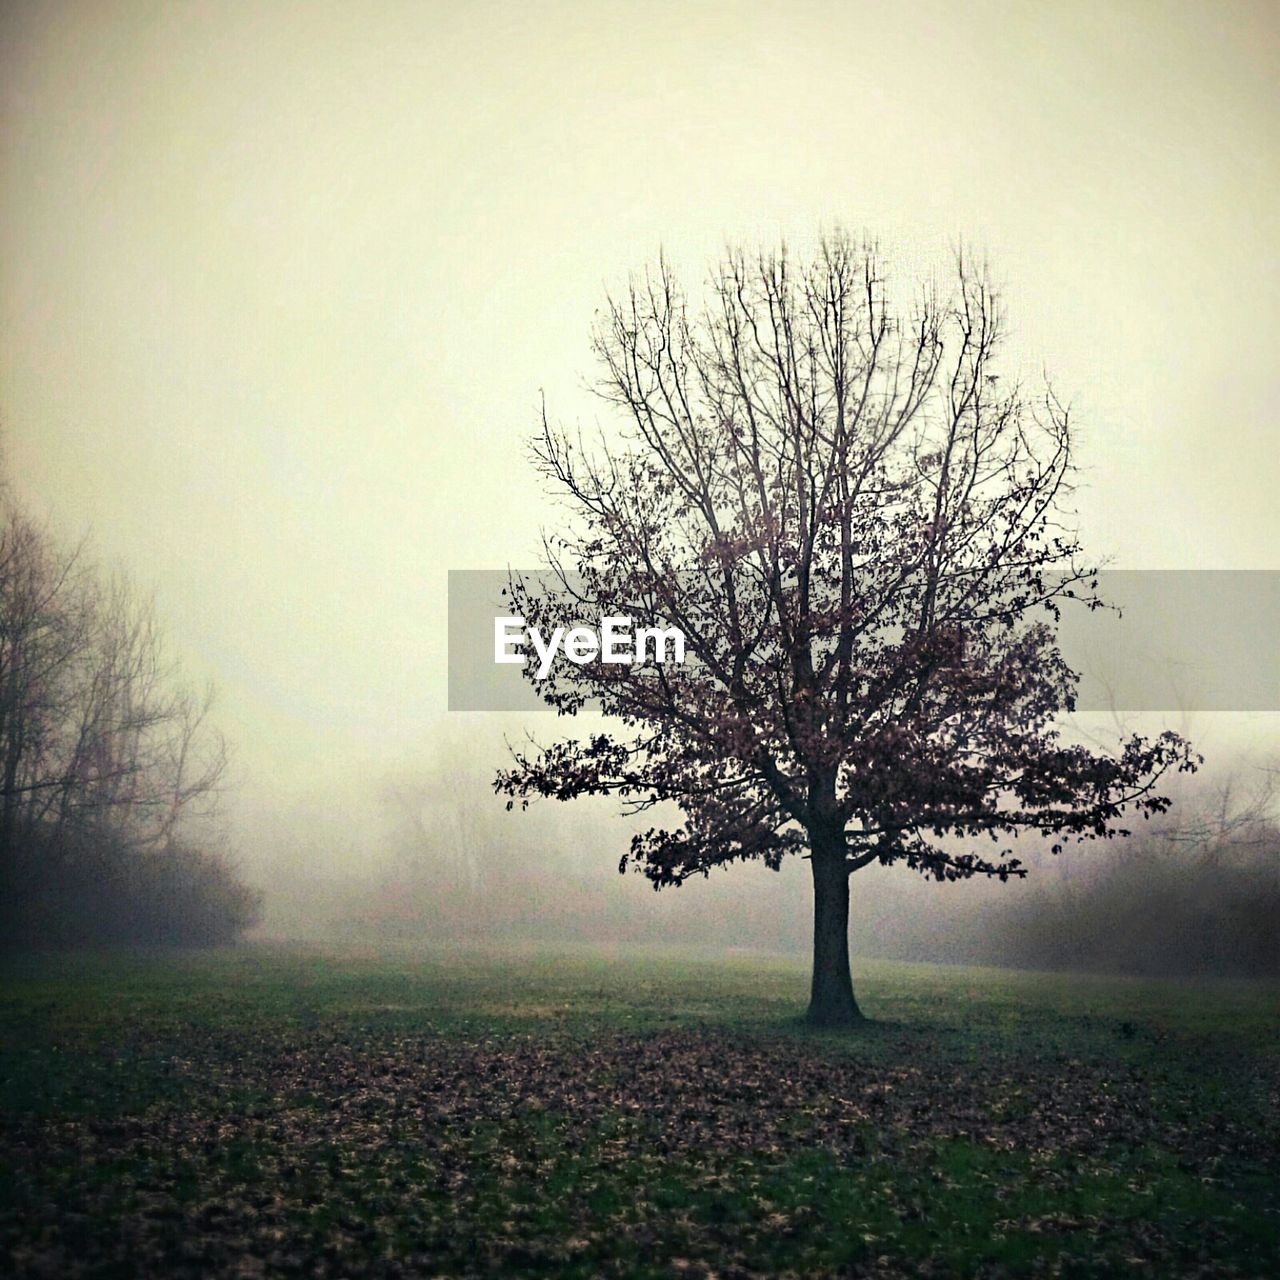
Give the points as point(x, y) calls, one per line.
point(105, 755)
point(860, 527)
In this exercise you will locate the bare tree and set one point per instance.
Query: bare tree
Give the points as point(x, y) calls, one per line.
point(103, 748)
point(46, 630)
point(860, 527)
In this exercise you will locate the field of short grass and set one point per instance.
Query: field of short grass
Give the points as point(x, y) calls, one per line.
point(287, 1113)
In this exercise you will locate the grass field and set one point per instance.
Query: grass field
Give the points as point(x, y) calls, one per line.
point(282, 1113)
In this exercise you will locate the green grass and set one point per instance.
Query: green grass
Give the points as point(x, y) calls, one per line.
point(273, 1112)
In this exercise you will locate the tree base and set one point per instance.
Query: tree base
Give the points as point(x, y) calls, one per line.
point(836, 1019)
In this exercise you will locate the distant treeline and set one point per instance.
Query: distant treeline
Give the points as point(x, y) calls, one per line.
point(108, 768)
point(1194, 892)
point(1173, 901)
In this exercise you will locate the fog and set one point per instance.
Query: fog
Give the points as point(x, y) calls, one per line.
point(424, 855)
point(282, 287)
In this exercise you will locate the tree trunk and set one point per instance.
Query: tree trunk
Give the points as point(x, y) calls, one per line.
point(831, 1002)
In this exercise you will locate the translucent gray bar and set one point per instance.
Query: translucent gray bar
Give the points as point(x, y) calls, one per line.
point(1184, 640)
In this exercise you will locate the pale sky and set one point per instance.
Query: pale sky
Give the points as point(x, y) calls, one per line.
point(281, 282)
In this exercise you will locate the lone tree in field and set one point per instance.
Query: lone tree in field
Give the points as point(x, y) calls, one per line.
point(859, 526)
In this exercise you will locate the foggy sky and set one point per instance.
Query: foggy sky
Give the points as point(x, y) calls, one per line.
point(281, 283)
